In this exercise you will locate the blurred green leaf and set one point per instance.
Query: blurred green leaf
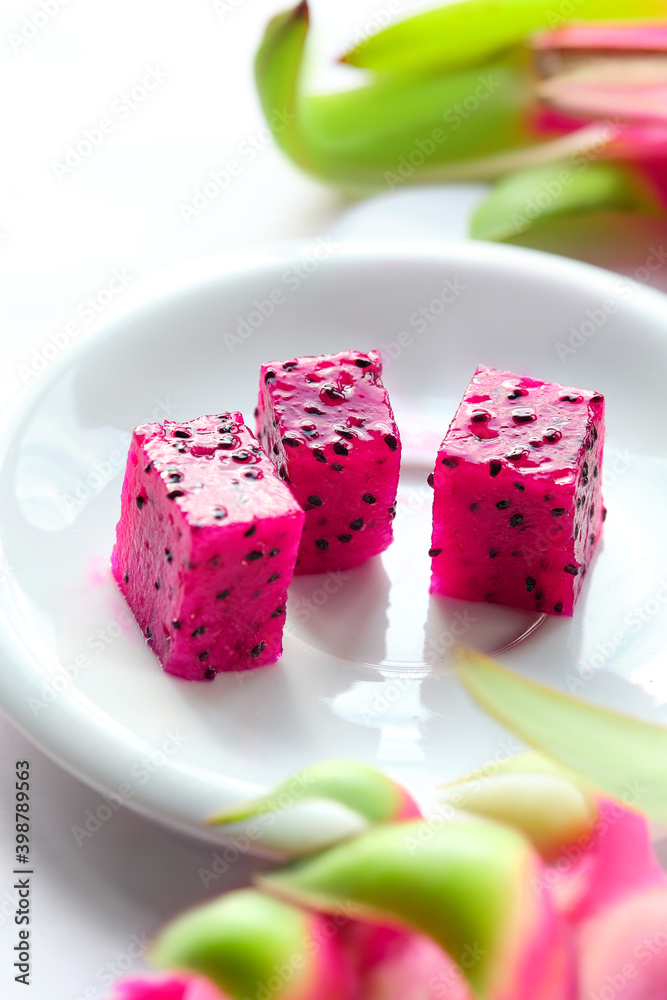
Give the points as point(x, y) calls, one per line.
point(620, 755)
point(470, 33)
point(523, 199)
point(357, 786)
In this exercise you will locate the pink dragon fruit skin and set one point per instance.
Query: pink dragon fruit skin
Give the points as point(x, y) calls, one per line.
point(327, 424)
point(518, 504)
point(206, 545)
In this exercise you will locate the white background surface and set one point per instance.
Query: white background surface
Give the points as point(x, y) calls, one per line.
point(94, 903)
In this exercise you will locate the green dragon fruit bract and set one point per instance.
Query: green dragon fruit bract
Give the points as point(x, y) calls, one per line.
point(328, 426)
point(518, 503)
point(206, 545)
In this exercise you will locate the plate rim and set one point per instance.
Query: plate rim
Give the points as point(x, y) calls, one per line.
point(185, 278)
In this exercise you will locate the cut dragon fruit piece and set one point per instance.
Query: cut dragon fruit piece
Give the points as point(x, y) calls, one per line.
point(206, 545)
point(328, 426)
point(518, 502)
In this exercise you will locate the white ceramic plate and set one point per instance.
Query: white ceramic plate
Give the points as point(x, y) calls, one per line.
point(365, 673)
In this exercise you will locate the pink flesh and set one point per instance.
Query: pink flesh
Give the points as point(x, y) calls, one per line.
point(218, 555)
point(346, 451)
point(517, 554)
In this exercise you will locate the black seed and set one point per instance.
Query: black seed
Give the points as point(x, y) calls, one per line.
point(274, 577)
point(310, 432)
point(289, 366)
point(179, 446)
point(493, 553)
point(591, 511)
point(531, 583)
point(174, 494)
point(322, 544)
point(596, 472)
point(538, 595)
point(344, 432)
point(516, 393)
point(570, 399)
point(282, 472)
point(475, 505)
point(357, 525)
point(340, 448)
point(278, 612)
point(571, 569)
point(269, 375)
point(181, 434)
point(319, 455)
point(256, 650)
point(126, 578)
point(451, 463)
point(174, 477)
point(495, 467)
point(368, 498)
point(241, 456)
point(253, 556)
point(523, 417)
point(204, 655)
point(552, 435)
point(480, 418)
point(149, 632)
point(219, 513)
point(345, 538)
point(274, 552)
point(222, 595)
point(332, 393)
point(515, 456)
point(515, 520)
point(434, 552)
point(250, 532)
point(362, 363)
point(314, 409)
point(391, 441)
point(576, 532)
point(158, 584)
point(604, 513)
point(140, 501)
point(198, 631)
point(558, 608)
point(176, 624)
point(591, 540)
point(336, 467)
point(315, 500)
point(209, 673)
point(290, 441)
point(226, 441)
point(149, 467)
point(580, 500)
point(276, 449)
point(557, 511)
point(519, 486)
point(597, 398)
point(584, 473)
point(503, 504)
point(430, 479)
point(255, 412)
